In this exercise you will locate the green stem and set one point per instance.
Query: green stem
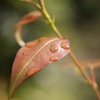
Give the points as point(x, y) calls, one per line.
point(71, 54)
point(48, 19)
point(37, 6)
point(41, 2)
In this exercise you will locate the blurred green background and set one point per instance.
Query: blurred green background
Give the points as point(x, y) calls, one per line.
point(79, 20)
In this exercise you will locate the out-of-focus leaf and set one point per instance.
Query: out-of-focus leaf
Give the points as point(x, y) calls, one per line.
point(30, 17)
point(34, 56)
point(26, 19)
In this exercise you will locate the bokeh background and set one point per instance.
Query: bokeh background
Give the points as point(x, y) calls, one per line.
point(79, 20)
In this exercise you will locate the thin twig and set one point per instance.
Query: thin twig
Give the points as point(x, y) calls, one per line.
point(80, 67)
point(71, 54)
point(41, 8)
point(41, 2)
point(37, 6)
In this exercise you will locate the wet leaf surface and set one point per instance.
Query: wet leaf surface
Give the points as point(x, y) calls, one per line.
point(34, 56)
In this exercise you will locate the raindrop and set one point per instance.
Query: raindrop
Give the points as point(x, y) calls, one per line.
point(65, 45)
point(24, 53)
point(53, 48)
point(29, 44)
point(31, 72)
point(53, 59)
point(42, 38)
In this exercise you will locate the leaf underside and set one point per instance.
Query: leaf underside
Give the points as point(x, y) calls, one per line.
point(34, 56)
point(30, 17)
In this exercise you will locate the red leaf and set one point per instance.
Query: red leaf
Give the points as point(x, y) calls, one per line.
point(34, 56)
point(25, 20)
point(29, 17)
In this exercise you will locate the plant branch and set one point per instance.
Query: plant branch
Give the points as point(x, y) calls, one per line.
point(37, 6)
point(80, 67)
point(41, 2)
point(71, 54)
point(49, 20)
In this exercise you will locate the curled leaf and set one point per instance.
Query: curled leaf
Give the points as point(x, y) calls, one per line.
point(25, 20)
point(34, 56)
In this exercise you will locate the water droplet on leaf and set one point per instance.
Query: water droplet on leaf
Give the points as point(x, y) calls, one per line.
point(24, 53)
point(65, 45)
point(31, 71)
point(53, 59)
point(42, 38)
point(53, 48)
point(29, 44)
